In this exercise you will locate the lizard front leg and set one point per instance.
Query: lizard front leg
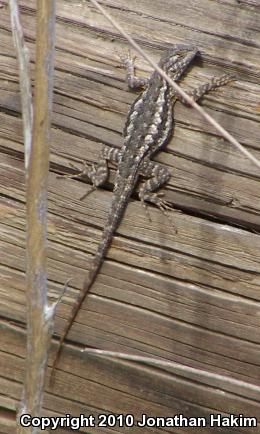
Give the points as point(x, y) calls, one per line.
point(132, 80)
point(204, 88)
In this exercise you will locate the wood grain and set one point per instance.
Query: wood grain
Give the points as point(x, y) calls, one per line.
point(191, 296)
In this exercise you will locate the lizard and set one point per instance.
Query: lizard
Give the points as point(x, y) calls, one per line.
point(148, 128)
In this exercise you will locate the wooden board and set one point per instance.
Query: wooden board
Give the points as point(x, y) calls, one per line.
point(191, 297)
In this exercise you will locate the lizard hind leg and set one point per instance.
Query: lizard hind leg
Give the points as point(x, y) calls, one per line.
point(97, 173)
point(158, 176)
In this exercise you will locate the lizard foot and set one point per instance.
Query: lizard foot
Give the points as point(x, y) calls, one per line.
point(79, 174)
point(163, 205)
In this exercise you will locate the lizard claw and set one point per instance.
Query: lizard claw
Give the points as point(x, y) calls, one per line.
point(147, 211)
point(126, 57)
point(163, 205)
point(79, 174)
point(93, 188)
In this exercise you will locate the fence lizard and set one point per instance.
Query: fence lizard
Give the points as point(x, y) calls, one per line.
point(148, 128)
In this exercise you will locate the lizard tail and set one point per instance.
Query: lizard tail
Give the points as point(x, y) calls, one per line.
point(95, 266)
point(110, 227)
point(74, 312)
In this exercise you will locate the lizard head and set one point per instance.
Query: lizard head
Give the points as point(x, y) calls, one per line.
point(177, 58)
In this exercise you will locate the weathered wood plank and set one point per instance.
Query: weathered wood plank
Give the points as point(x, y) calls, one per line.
point(68, 241)
point(139, 391)
point(191, 296)
point(104, 123)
